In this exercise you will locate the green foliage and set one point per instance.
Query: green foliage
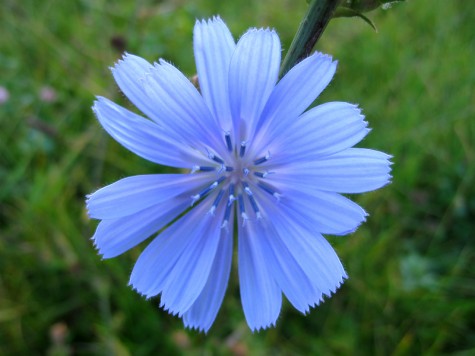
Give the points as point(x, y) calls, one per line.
point(411, 288)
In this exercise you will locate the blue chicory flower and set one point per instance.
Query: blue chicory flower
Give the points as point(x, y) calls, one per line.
point(259, 167)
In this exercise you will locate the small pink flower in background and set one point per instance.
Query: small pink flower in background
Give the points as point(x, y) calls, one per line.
point(4, 95)
point(48, 94)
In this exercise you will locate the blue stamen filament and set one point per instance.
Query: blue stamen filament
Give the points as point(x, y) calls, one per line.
point(224, 168)
point(252, 200)
point(205, 191)
point(262, 159)
point(214, 157)
point(246, 188)
point(197, 168)
point(242, 209)
point(268, 189)
point(227, 214)
point(242, 150)
point(231, 194)
point(216, 202)
point(227, 138)
point(255, 207)
point(262, 174)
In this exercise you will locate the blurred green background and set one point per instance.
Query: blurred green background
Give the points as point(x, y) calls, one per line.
point(412, 283)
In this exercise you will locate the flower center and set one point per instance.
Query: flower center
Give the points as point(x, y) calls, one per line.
point(237, 178)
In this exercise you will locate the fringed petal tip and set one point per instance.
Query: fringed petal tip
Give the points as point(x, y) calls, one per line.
point(324, 56)
point(389, 164)
point(144, 294)
point(389, 158)
point(100, 100)
point(132, 66)
point(260, 32)
point(170, 310)
point(161, 62)
point(99, 252)
point(126, 56)
point(351, 231)
point(259, 328)
point(89, 209)
point(198, 328)
point(119, 62)
point(328, 294)
point(91, 206)
point(102, 254)
point(211, 21)
point(94, 107)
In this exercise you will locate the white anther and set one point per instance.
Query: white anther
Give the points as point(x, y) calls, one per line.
point(224, 225)
point(195, 198)
point(212, 210)
point(244, 218)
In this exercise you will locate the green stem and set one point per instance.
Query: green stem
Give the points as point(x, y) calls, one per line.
point(311, 28)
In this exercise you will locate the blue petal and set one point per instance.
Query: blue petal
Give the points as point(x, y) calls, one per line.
point(213, 46)
point(302, 262)
point(144, 137)
point(253, 73)
point(317, 259)
point(310, 249)
point(261, 297)
point(113, 237)
point(294, 93)
point(133, 194)
point(177, 262)
point(285, 269)
point(203, 312)
point(354, 170)
point(181, 108)
point(326, 212)
point(129, 73)
point(321, 131)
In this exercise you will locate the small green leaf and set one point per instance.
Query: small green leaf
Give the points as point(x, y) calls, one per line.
point(347, 12)
point(368, 5)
